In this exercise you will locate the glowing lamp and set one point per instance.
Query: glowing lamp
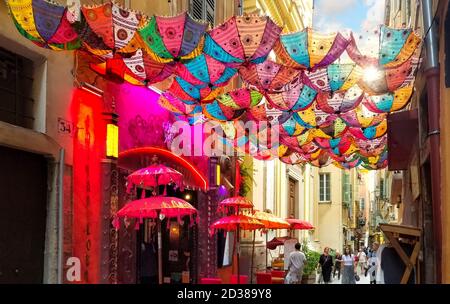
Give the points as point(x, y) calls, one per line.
point(217, 174)
point(112, 140)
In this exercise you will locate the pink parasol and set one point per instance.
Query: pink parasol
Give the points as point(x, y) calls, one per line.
point(298, 224)
point(237, 202)
point(170, 207)
point(155, 207)
point(154, 176)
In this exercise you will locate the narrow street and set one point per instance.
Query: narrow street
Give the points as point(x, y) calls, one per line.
point(224, 141)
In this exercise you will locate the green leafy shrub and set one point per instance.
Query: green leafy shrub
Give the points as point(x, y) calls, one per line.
point(312, 259)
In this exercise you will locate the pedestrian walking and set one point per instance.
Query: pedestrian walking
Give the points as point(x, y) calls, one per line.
point(373, 263)
point(326, 264)
point(348, 267)
point(337, 265)
point(362, 260)
point(296, 263)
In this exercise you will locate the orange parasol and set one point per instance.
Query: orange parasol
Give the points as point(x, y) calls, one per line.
point(234, 222)
point(270, 221)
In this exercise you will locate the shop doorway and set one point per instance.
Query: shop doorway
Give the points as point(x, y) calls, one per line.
point(178, 249)
point(23, 197)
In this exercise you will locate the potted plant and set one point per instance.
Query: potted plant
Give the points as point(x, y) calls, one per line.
point(309, 270)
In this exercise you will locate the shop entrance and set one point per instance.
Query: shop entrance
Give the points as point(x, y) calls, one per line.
point(177, 245)
point(23, 197)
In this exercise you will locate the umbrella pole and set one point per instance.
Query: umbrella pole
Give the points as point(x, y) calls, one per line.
point(267, 258)
point(238, 253)
point(253, 254)
point(160, 276)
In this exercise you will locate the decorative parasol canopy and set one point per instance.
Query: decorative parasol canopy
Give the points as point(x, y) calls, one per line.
point(238, 202)
point(170, 207)
point(268, 76)
point(172, 39)
point(247, 38)
point(277, 241)
point(204, 70)
point(44, 23)
point(298, 224)
point(389, 102)
point(310, 50)
point(233, 222)
point(270, 220)
point(155, 175)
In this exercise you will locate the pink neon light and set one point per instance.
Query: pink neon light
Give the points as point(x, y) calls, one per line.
point(169, 154)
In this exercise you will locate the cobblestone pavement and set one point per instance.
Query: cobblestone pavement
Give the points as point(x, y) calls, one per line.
point(363, 279)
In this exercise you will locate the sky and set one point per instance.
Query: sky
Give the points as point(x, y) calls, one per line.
point(362, 17)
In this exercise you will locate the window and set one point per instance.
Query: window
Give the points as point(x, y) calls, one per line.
point(203, 10)
point(324, 187)
point(292, 197)
point(346, 189)
point(16, 82)
point(362, 204)
point(382, 192)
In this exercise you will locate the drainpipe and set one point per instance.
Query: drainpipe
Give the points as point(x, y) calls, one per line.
point(432, 79)
point(60, 216)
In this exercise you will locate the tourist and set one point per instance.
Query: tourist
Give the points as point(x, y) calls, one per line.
point(326, 264)
point(348, 267)
point(296, 263)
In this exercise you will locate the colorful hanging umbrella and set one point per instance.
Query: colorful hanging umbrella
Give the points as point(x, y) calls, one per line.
point(340, 102)
point(321, 158)
point(310, 50)
point(333, 128)
point(138, 69)
point(362, 118)
point(192, 94)
point(175, 105)
point(247, 38)
point(342, 77)
point(370, 132)
point(109, 28)
point(268, 76)
point(371, 147)
point(299, 97)
point(154, 207)
point(172, 39)
point(291, 124)
point(44, 23)
point(204, 70)
point(379, 80)
point(389, 102)
point(397, 45)
point(295, 158)
point(233, 105)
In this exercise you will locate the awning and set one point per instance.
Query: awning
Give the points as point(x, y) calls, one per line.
point(403, 128)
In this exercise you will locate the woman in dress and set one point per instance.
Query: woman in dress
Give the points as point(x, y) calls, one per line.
point(326, 264)
point(348, 267)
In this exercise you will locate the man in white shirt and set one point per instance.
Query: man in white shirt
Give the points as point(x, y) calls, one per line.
point(296, 263)
point(362, 259)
